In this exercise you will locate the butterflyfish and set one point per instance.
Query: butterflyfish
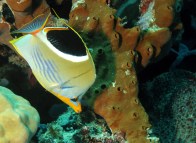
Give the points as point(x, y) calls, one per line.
point(59, 59)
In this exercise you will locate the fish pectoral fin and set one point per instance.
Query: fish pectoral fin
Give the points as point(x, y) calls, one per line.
point(73, 103)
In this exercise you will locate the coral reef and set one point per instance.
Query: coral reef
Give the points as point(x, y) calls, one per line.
point(5, 34)
point(118, 103)
point(171, 106)
point(18, 119)
point(71, 127)
point(118, 52)
point(155, 43)
point(25, 10)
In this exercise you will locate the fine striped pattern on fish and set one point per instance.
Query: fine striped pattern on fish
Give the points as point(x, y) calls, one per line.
point(59, 59)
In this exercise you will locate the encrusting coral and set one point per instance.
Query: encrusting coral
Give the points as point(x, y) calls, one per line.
point(132, 48)
point(18, 119)
point(119, 104)
point(70, 127)
point(25, 10)
point(172, 106)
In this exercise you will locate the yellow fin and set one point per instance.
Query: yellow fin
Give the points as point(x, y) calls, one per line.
point(75, 105)
point(47, 29)
point(34, 26)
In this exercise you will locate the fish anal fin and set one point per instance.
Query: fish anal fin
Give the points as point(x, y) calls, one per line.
point(75, 105)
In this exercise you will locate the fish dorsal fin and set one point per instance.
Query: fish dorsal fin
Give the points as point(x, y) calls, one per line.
point(36, 25)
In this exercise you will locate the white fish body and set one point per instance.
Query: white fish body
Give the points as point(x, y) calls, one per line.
point(68, 74)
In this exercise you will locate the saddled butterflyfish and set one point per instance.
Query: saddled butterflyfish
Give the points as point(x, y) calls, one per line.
point(59, 59)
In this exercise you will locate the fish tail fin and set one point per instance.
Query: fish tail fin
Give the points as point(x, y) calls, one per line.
point(35, 25)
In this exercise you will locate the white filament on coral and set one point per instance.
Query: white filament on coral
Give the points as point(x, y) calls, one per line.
point(76, 3)
point(145, 21)
point(20, 1)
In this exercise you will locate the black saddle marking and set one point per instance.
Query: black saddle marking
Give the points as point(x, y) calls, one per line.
point(67, 41)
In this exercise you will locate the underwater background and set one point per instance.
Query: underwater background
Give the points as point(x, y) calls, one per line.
point(145, 87)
